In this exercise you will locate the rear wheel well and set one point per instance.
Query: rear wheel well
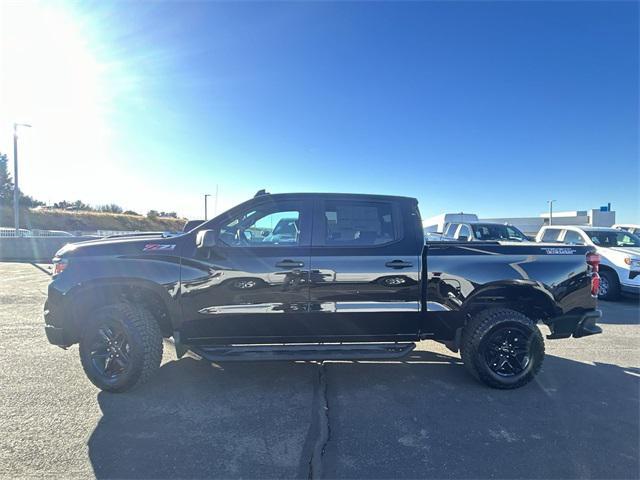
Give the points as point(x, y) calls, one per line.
point(526, 300)
point(96, 297)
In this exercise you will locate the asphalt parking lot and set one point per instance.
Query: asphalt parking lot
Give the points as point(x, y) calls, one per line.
point(418, 418)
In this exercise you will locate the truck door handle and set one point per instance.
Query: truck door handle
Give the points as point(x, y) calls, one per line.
point(398, 264)
point(289, 264)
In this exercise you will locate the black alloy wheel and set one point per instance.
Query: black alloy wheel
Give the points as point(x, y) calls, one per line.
point(120, 346)
point(502, 348)
point(507, 351)
point(110, 351)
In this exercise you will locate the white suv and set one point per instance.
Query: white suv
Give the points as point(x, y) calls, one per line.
point(619, 251)
point(629, 227)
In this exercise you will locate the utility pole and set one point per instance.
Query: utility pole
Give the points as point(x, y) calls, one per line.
point(215, 203)
point(550, 202)
point(206, 195)
point(16, 191)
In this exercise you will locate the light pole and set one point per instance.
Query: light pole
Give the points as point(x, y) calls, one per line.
point(16, 191)
point(205, 205)
point(215, 204)
point(550, 202)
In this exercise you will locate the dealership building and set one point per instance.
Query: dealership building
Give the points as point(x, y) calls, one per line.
point(602, 217)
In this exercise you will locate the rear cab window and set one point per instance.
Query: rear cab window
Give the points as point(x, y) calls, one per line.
point(464, 231)
point(451, 229)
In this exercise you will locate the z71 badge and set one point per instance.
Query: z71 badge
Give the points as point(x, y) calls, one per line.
point(158, 246)
point(559, 251)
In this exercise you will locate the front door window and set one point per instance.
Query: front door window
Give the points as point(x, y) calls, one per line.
point(262, 229)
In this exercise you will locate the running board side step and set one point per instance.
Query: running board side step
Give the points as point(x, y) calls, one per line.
point(249, 353)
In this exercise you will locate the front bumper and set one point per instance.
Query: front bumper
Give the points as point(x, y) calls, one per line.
point(56, 320)
point(56, 336)
point(635, 289)
point(576, 325)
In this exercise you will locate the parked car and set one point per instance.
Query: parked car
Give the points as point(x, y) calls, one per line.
point(437, 224)
point(482, 232)
point(628, 227)
point(433, 237)
point(286, 231)
point(191, 224)
point(354, 280)
point(619, 252)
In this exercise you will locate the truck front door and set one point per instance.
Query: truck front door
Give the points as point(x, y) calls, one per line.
point(365, 269)
point(253, 285)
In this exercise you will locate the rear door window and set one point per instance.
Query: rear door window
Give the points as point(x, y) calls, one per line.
point(573, 238)
point(551, 235)
point(464, 232)
point(360, 223)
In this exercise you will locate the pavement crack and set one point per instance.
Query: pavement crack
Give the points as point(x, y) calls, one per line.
point(324, 429)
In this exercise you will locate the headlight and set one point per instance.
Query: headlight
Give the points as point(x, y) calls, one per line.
point(634, 263)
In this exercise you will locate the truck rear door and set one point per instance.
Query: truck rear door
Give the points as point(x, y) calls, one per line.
point(365, 269)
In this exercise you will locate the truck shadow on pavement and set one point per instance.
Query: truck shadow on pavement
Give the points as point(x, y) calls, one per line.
point(623, 311)
point(421, 417)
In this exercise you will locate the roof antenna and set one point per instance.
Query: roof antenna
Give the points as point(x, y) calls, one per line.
point(259, 193)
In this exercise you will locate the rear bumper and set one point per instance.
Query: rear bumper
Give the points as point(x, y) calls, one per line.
point(576, 325)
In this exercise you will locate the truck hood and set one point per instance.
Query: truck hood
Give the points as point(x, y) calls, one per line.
point(119, 246)
point(631, 251)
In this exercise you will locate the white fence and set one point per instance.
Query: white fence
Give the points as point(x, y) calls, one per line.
point(7, 232)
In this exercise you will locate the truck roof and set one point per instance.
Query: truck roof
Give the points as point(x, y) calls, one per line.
point(361, 196)
point(480, 222)
point(581, 227)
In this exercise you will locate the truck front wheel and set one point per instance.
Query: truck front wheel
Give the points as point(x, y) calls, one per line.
point(609, 286)
point(120, 347)
point(502, 348)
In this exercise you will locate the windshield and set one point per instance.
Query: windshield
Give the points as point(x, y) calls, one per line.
point(490, 231)
point(613, 238)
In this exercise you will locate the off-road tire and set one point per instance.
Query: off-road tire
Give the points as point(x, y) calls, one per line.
point(144, 340)
point(613, 290)
point(477, 334)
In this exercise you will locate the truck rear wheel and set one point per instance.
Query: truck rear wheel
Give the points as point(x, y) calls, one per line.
point(120, 347)
point(502, 348)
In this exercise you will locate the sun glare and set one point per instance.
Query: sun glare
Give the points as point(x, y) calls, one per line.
point(52, 79)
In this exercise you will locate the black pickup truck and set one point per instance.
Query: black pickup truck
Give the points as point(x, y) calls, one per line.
point(341, 277)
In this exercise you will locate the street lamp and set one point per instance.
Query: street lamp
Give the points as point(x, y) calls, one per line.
point(205, 205)
point(550, 202)
point(16, 194)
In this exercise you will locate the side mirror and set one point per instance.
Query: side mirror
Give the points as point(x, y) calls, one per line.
point(206, 239)
point(463, 238)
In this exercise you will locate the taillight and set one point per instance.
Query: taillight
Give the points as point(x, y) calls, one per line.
point(595, 284)
point(593, 260)
point(59, 266)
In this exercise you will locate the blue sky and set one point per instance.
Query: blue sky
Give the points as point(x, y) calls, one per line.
point(485, 107)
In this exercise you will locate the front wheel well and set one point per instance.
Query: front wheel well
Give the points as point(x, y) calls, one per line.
point(99, 296)
point(607, 268)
